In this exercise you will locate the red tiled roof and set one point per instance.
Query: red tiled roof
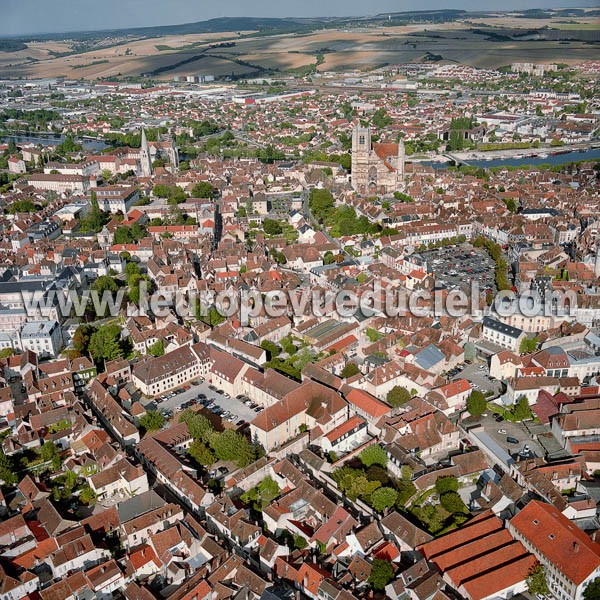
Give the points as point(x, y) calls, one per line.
point(559, 540)
point(343, 343)
point(345, 427)
point(481, 557)
point(364, 401)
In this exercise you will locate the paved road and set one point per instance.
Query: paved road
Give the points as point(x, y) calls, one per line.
point(238, 408)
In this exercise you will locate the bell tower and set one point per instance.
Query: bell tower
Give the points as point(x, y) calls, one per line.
point(361, 148)
point(401, 160)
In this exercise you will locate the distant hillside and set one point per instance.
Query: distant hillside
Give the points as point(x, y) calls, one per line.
point(262, 24)
point(11, 46)
point(219, 25)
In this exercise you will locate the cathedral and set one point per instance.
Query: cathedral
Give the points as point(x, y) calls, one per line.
point(150, 151)
point(377, 169)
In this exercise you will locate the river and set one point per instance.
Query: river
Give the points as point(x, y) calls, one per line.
point(551, 159)
point(54, 140)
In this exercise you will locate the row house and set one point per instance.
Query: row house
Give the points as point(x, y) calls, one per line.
point(122, 480)
point(309, 406)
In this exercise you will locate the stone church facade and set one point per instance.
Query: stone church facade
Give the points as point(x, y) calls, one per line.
point(377, 169)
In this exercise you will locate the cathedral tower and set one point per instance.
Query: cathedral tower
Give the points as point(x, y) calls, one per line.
point(361, 148)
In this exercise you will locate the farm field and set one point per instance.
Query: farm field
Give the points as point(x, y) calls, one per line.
point(489, 42)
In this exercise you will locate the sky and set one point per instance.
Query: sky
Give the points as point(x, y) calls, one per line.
point(19, 17)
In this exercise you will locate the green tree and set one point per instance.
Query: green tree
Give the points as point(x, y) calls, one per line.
point(199, 426)
point(521, 410)
point(288, 346)
point(105, 343)
point(95, 220)
point(382, 573)
point(212, 317)
point(373, 455)
point(272, 349)
point(7, 470)
point(131, 270)
point(87, 495)
point(349, 370)
point(233, 446)
point(373, 334)
point(406, 490)
point(321, 203)
point(453, 503)
point(537, 583)
point(383, 497)
point(470, 351)
point(135, 287)
point(381, 119)
point(403, 197)
point(129, 235)
point(261, 495)
point(398, 396)
point(81, 338)
point(22, 206)
point(592, 591)
point(328, 258)
point(299, 542)
point(201, 453)
point(272, 227)
point(105, 283)
point(446, 484)
point(203, 189)
point(157, 349)
point(476, 403)
point(49, 453)
point(528, 345)
point(7, 352)
point(152, 420)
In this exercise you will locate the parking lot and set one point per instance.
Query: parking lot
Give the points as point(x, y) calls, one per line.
point(478, 375)
point(454, 267)
point(175, 402)
point(501, 431)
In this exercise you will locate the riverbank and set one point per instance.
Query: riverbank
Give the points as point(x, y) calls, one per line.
point(47, 140)
point(551, 155)
point(509, 154)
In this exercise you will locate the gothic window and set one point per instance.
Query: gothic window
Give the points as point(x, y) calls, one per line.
point(361, 140)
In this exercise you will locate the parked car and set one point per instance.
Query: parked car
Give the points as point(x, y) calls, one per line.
point(502, 431)
point(512, 440)
point(499, 419)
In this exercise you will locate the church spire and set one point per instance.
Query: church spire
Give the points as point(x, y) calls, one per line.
point(145, 162)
